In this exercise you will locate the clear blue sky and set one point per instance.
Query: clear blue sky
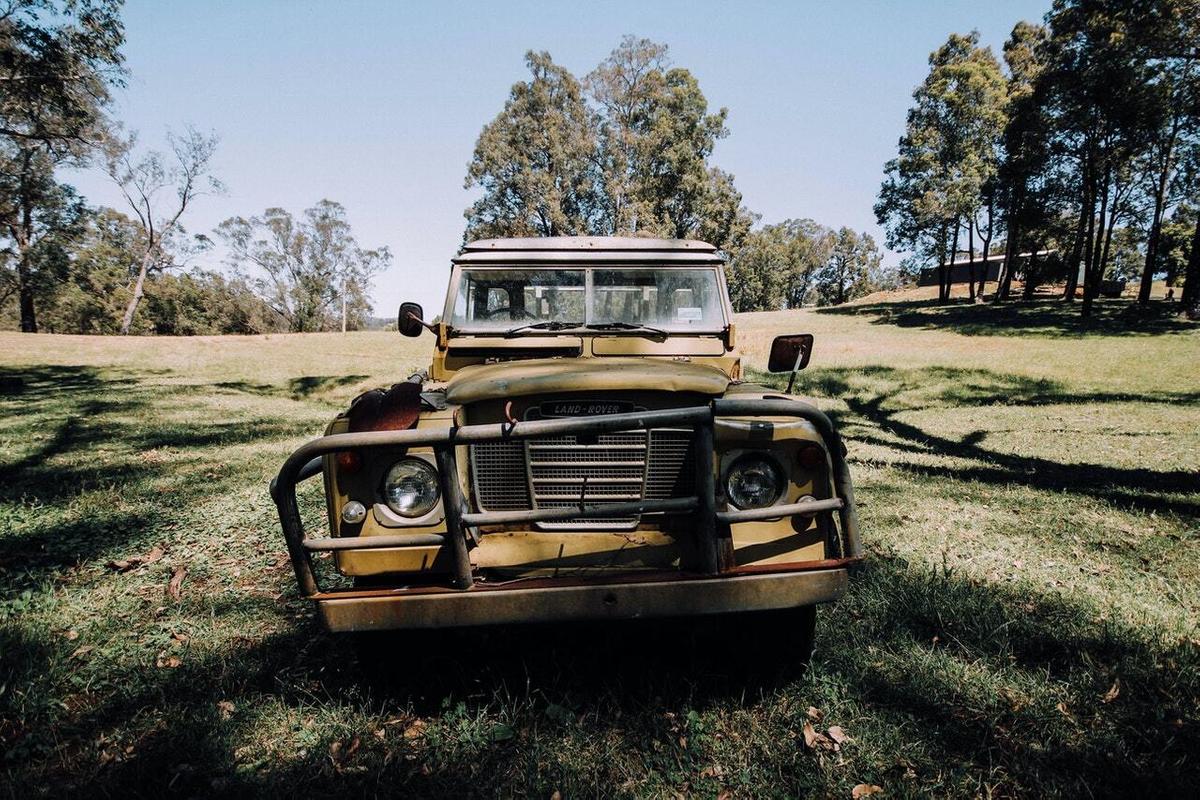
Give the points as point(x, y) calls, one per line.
point(378, 104)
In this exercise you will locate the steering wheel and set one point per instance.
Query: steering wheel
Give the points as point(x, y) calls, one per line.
point(513, 313)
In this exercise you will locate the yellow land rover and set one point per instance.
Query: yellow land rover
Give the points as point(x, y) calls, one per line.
point(582, 446)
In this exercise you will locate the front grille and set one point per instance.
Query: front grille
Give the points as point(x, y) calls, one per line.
point(561, 471)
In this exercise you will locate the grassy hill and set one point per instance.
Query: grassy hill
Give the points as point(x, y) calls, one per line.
point(1028, 624)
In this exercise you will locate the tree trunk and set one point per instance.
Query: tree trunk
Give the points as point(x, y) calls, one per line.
point(1190, 300)
point(1030, 274)
point(25, 296)
point(1076, 252)
point(1004, 284)
point(971, 259)
point(987, 243)
point(1091, 280)
point(1160, 204)
point(949, 271)
point(139, 291)
point(1152, 243)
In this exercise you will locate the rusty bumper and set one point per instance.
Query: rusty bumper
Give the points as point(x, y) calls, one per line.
point(560, 601)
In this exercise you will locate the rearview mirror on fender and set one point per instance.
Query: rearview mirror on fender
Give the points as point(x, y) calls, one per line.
point(790, 353)
point(411, 319)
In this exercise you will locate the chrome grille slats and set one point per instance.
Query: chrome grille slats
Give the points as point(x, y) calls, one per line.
point(558, 472)
point(564, 471)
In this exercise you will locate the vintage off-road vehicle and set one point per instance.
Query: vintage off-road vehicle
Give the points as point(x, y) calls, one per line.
point(583, 446)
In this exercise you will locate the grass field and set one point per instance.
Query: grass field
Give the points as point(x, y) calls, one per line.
point(1028, 623)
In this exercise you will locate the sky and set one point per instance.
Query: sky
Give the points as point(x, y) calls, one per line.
point(377, 105)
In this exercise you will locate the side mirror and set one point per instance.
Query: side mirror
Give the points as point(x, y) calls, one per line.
point(790, 353)
point(411, 319)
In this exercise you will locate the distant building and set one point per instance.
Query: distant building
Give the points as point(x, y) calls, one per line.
point(960, 268)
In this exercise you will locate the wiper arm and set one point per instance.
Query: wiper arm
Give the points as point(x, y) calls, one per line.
point(625, 326)
point(547, 325)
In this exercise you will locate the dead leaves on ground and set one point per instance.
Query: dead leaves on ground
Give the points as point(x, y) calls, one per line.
point(865, 790)
point(125, 564)
point(175, 585)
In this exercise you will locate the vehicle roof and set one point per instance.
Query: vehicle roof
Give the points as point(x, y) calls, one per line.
point(557, 250)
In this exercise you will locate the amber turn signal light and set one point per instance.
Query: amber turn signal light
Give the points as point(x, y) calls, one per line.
point(349, 461)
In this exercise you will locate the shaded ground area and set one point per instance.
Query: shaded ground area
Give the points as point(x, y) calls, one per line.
point(1027, 624)
point(1041, 317)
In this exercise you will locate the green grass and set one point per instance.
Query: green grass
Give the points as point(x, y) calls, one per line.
point(1030, 505)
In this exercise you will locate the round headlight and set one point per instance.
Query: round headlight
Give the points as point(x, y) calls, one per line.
point(754, 481)
point(410, 488)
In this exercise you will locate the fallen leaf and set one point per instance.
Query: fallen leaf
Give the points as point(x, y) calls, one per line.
point(182, 638)
point(226, 709)
point(72, 635)
point(175, 585)
point(865, 790)
point(815, 714)
point(415, 729)
point(165, 661)
point(556, 795)
point(817, 741)
point(80, 652)
point(838, 735)
point(1113, 691)
point(125, 564)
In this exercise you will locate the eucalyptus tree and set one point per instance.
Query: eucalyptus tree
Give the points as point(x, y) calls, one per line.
point(852, 260)
point(1021, 183)
point(656, 138)
point(1102, 109)
point(305, 268)
point(159, 190)
point(935, 187)
point(535, 162)
point(1170, 36)
point(775, 266)
point(58, 61)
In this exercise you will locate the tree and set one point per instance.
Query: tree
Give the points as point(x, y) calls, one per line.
point(1103, 109)
point(656, 137)
point(93, 297)
point(146, 181)
point(309, 269)
point(853, 259)
point(57, 63)
point(634, 163)
point(535, 162)
point(1020, 184)
point(774, 266)
point(40, 217)
point(934, 189)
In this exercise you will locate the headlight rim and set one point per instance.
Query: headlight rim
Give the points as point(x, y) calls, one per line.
point(430, 470)
point(781, 477)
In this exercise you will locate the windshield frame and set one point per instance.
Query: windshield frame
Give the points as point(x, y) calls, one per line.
point(714, 329)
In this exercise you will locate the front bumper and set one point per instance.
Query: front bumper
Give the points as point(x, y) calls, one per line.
point(720, 587)
point(662, 596)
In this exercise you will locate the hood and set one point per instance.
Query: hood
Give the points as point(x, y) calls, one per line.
point(557, 375)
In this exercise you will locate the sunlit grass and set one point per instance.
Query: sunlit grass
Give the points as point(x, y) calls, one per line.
point(1028, 622)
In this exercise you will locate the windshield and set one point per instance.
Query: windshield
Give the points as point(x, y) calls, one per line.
point(670, 299)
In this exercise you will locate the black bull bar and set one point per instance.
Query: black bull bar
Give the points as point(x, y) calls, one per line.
point(460, 520)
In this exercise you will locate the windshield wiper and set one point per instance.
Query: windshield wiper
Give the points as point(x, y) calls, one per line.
point(625, 326)
point(548, 325)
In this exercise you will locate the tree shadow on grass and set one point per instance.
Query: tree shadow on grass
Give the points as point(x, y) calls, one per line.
point(1023, 318)
point(876, 397)
point(558, 686)
point(296, 388)
point(77, 430)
